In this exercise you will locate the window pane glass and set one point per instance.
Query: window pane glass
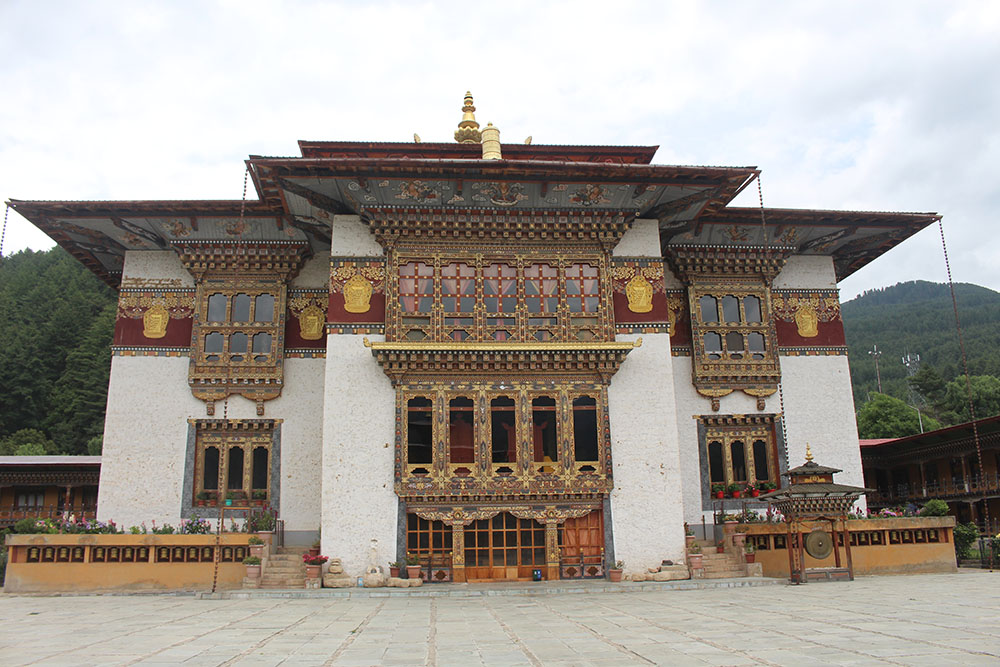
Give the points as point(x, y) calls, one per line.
point(734, 341)
point(259, 472)
point(234, 475)
point(262, 343)
point(241, 308)
point(755, 341)
point(217, 308)
point(739, 459)
point(419, 431)
point(504, 431)
point(461, 430)
point(263, 309)
point(760, 461)
point(543, 418)
point(709, 309)
point(751, 308)
point(715, 463)
point(730, 309)
point(585, 428)
point(713, 345)
point(210, 480)
point(238, 343)
point(213, 342)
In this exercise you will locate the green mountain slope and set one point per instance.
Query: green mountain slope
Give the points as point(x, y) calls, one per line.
point(918, 318)
point(56, 324)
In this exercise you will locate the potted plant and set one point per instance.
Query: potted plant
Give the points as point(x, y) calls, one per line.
point(695, 557)
point(256, 546)
point(615, 573)
point(394, 569)
point(412, 566)
point(201, 498)
point(749, 552)
point(734, 490)
point(752, 490)
point(313, 564)
point(314, 549)
point(211, 499)
point(688, 535)
point(719, 490)
point(720, 547)
point(253, 566)
point(259, 496)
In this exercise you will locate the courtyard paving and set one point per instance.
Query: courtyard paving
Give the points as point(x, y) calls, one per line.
point(951, 619)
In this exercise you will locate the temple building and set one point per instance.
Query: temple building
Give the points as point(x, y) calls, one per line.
point(501, 355)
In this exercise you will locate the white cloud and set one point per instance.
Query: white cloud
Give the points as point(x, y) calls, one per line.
point(886, 106)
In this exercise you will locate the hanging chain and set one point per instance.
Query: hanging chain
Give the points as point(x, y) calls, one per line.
point(968, 383)
point(243, 203)
point(763, 222)
point(221, 504)
point(3, 233)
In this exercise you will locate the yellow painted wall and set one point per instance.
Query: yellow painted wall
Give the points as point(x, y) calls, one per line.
point(24, 577)
point(881, 559)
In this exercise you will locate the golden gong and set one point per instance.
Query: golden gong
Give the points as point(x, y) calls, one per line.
point(819, 544)
point(357, 295)
point(640, 295)
point(311, 321)
point(154, 321)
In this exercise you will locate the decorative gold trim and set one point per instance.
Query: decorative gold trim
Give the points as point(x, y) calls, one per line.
point(640, 295)
point(418, 346)
point(154, 321)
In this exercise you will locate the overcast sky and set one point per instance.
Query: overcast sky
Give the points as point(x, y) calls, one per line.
point(887, 106)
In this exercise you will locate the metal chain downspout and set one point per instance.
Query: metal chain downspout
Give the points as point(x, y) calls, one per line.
point(968, 384)
point(3, 233)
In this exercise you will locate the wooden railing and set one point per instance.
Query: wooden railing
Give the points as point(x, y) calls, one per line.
point(10, 514)
point(901, 493)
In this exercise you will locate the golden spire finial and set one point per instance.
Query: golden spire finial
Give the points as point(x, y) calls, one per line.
point(468, 128)
point(809, 453)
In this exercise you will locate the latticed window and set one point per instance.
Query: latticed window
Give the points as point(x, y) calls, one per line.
point(730, 327)
point(477, 299)
point(741, 450)
point(233, 459)
point(237, 327)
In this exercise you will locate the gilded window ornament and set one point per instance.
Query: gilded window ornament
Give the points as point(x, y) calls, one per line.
point(357, 294)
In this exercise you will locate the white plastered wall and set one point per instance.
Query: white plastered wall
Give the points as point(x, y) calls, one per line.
point(641, 240)
point(646, 507)
point(146, 426)
point(359, 501)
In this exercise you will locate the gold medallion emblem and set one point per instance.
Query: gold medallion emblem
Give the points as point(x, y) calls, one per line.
point(154, 321)
point(311, 321)
point(640, 294)
point(807, 321)
point(357, 295)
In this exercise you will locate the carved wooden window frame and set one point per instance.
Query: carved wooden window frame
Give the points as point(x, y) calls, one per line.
point(439, 324)
point(232, 435)
point(731, 429)
point(482, 468)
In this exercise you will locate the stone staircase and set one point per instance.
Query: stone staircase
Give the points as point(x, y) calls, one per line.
point(284, 569)
point(721, 566)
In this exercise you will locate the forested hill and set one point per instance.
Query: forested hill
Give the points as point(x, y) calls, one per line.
point(56, 324)
point(918, 318)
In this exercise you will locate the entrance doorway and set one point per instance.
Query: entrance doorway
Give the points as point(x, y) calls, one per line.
point(504, 547)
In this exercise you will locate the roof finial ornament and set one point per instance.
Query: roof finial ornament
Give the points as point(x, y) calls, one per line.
point(468, 129)
point(809, 453)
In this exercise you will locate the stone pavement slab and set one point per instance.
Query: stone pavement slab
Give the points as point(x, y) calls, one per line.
point(945, 619)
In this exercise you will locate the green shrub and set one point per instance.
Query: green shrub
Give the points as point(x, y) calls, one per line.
point(934, 507)
point(966, 535)
point(251, 560)
point(26, 527)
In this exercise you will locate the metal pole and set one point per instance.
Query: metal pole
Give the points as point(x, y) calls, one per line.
point(875, 354)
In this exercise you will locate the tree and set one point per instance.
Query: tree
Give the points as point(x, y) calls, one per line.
point(30, 449)
point(10, 445)
point(929, 384)
point(985, 398)
point(95, 445)
point(887, 417)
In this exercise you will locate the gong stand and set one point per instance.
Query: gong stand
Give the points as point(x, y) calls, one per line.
point(813, 500)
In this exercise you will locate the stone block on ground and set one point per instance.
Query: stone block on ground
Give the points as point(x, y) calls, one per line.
point(639, 576)
point(251, 582)
point(396, 582)
point(337, 581)
point(415, 583)
point(313, 583)
point(671, 573)
point(755, 569)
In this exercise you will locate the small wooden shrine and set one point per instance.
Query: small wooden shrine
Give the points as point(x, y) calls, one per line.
point(811, 502)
